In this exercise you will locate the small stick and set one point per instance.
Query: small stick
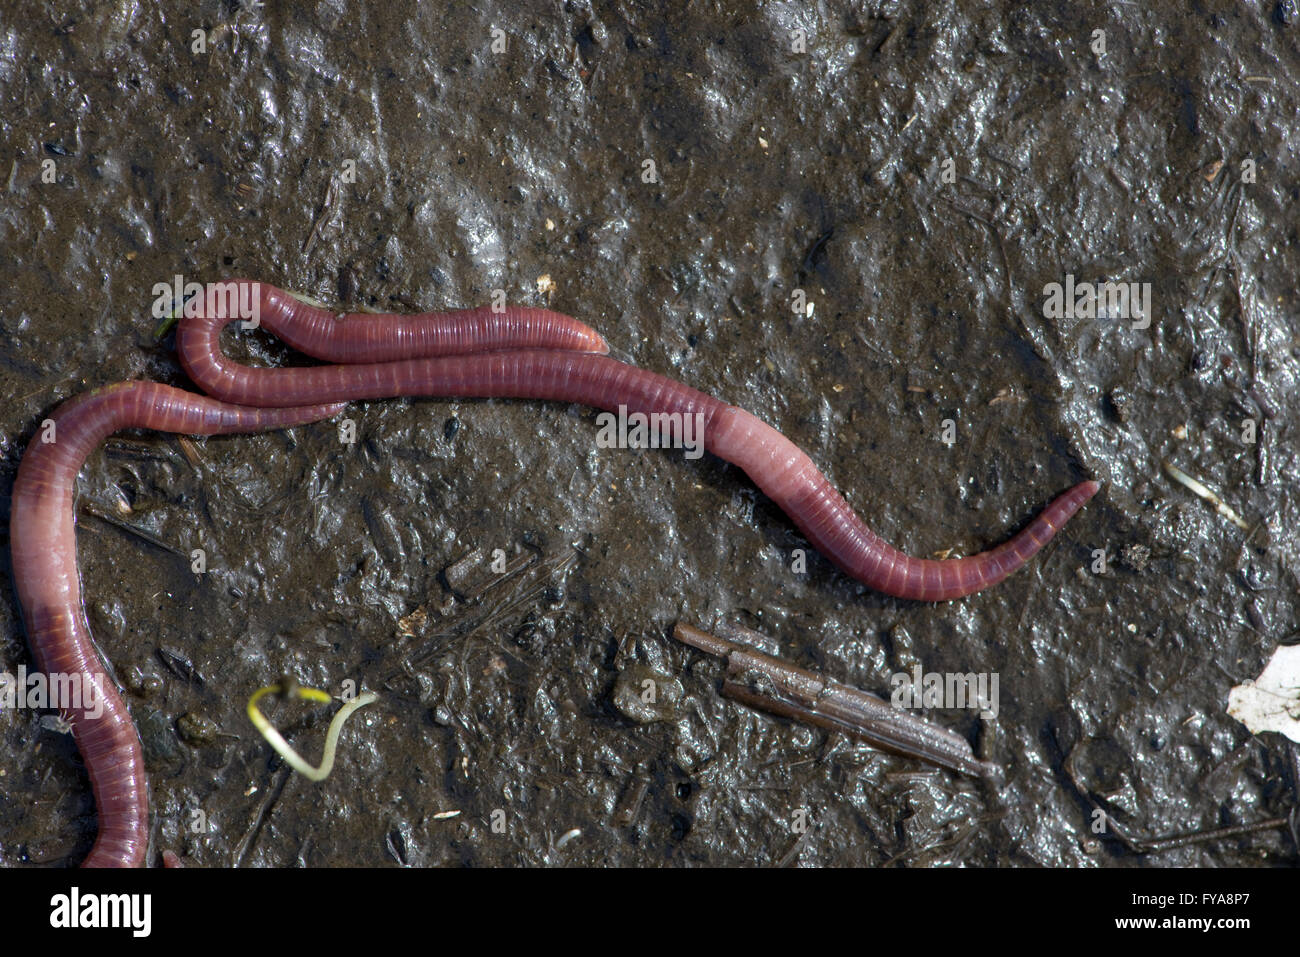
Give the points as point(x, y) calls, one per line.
point(782, 688)
point(327, 211)
point(790, 857)
point(629, 805)
point(189, 450)
point(97, 511)
point(1167, 842)
point(1202, 491)
point(1138, 844)
point(254, 830)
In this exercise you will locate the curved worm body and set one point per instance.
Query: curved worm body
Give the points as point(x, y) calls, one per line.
point(43, 541)
point(776, 465)
point(368, 337)
point(533, 354)
point(42, 525)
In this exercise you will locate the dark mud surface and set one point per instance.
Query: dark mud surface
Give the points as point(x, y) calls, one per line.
point(821, 170)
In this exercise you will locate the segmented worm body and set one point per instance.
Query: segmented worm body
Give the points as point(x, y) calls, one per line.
point(365, 337)
point(520, 353)
point(43, 534)
point(776, 465)
point(43, 542)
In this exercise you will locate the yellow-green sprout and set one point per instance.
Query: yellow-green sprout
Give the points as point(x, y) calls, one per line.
point(295, 760)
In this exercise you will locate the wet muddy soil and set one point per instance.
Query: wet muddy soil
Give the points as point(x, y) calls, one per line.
point(845, 218)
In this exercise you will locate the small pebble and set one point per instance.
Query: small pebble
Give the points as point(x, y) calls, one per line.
point(196, 728)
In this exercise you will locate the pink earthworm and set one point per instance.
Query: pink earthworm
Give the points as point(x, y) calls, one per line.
point(367, 337)
point(42, 525)
point(775, 464)
point(453, 360)
point(44, 550)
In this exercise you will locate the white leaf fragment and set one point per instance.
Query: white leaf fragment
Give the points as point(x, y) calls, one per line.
point(1272, 701)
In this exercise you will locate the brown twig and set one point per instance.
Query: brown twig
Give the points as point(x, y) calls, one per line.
point(1164, 842)
point(762, 681)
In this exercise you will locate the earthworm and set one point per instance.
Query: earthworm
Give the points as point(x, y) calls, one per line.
point(44, 549)
point(42, 524)
point(366, 337)
point(453, 364)
point(775, 464)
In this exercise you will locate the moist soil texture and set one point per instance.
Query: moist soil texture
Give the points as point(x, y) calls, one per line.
point(846, 218)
